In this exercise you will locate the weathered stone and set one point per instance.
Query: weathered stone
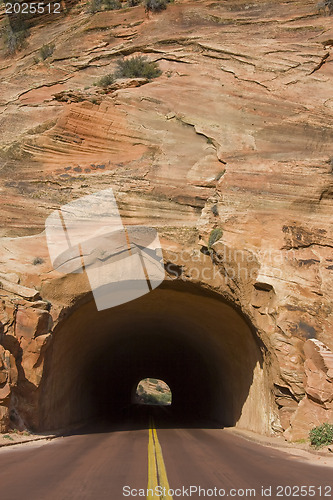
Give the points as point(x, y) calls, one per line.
point(22, 291)
point(32, 322)
point(4, 418)
point(286, 415)
point(8, 379)
point(32, 359)
point(234, 135)
point(8, 370)
point(317, 405)
point(307, 416)
point(318, 368)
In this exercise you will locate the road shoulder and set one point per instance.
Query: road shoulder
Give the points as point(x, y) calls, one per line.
point(303, 451)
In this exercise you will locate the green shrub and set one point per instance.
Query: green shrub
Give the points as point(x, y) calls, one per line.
point(214, 236)
point(321, 435)
point(112, 4)
point(15, 30)
point(137, 67)
point(156, 399)
point(215, 210)
point(37, 261)
point(220, 175)
point(46, 51)
point(329, 5)
point(133, 3)
point(105, 80)
point(99, 5)
point(326, 6)
point(7, 436)
point(155, 5)
point(165, 398)
point(94, 6)
point(15, 34)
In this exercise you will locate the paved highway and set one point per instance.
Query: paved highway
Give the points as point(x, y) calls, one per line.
point(102, 463)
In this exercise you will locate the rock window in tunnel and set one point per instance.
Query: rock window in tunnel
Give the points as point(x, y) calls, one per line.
point(152, 391)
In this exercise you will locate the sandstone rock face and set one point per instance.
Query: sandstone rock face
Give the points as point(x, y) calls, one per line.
point(235, 134)
point(8, 379)
point(317, 405)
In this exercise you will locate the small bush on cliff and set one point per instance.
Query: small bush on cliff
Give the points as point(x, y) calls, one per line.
point(99, 5)
point(214, 236)
point(326, 6)
point(105, 80)
point(37, 261)
point(7, 436)
point(137, 67)
point(112, 4)
point(321, 435)
point(156, 5)
point(46, 51)
point(15, 34)
point(94, 6)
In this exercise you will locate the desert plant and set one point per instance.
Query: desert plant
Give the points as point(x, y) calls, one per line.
point(214, 236)
point(326, 6)
point(105, 80)
point(220, 175)
point(15, 30)
point(46, 51)
point(137, 67)
point(329, 5)
point(112, 4)
point(165, 398)
point(94, 6)
point(99, 5)
point(133, 3)
point(7, 436)
point(215, 210)
point(37, 261)
point(15, 34)
point(321, 435)
point(155, 5)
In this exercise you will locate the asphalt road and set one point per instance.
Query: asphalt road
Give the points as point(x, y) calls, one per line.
point(97, 463)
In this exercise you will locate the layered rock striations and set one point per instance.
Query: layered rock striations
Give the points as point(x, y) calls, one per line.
point(235, 134)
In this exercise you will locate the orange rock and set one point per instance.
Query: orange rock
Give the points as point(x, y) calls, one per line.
point(31, 322)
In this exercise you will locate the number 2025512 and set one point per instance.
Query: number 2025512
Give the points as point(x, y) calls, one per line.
point(32, 8)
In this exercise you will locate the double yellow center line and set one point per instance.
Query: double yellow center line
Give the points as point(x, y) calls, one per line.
point(157, 476)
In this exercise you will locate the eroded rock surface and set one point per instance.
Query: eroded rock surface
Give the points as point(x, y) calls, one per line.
point(317, 405)
point(235, 134)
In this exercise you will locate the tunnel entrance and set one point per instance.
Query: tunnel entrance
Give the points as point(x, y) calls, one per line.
point(152, 391)
point(186, 335)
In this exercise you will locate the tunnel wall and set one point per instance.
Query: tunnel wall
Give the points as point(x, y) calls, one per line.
point(188, 337)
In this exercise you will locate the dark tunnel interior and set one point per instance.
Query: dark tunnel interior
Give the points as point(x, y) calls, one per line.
point(188, 337)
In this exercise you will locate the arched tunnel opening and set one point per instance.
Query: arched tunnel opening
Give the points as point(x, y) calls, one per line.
point(189, 337)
